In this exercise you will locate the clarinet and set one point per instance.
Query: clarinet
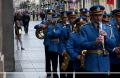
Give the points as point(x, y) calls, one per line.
point(103, 42)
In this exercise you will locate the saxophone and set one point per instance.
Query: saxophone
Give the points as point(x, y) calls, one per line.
point(65, 62)
point(66, 57)
point(82, 58)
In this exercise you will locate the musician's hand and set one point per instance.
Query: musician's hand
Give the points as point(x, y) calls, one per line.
point(117, 50)
point(44, 26)
point(79, 57)
point(99, 39)
point(65, 54)
point(103, 33)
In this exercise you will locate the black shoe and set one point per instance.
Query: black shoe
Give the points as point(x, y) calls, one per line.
point(22, 48)
point(48, 77)
point(55, 76)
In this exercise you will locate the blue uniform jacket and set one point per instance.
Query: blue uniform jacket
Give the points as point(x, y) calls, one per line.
point(74, 48)
point(46, 39)
point(114, 59)
point(65, 34)
point(53, 33)
point(73, 45)
point(95, 62)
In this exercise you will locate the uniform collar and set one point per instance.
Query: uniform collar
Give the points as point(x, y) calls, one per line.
point(95, 25)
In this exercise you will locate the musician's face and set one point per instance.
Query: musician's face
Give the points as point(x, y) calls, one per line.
point(106, 19)
point(118, 18)
point(49, 16)
point(97, 17)
point(72, 18)
point(54, 20)
point(64, 19)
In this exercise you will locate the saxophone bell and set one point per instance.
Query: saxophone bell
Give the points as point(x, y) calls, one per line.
point(65, 62)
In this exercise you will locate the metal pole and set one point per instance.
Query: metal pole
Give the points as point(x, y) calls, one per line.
point(118, 4)
point(83, 3)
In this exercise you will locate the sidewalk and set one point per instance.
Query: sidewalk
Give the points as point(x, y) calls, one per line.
point(30, 63)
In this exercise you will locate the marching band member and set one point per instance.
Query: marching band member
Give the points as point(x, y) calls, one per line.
point(96, 40)
point(85, 12)
point(115, 56)
point(74, 46)
point(65, 33)
point(53, 34)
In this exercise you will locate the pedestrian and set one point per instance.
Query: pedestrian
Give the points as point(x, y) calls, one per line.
point(33, 14)
point(42, 15)
point(25, 20)
point(18, 30)
point(37, 15)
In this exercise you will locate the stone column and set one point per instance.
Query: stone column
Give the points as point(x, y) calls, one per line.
point(1, 61)
point(0, 26)
point(6, 16)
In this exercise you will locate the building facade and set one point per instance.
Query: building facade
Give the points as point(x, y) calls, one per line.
point(77, 4)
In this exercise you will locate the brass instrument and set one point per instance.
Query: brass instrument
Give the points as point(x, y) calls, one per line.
point(39, 32)
point(111, 32)
point(103, 44)
point(82, 58)
point(65, 63)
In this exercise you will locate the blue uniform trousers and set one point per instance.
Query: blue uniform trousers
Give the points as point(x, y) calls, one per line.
point(51, 57)
point(115, 68)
